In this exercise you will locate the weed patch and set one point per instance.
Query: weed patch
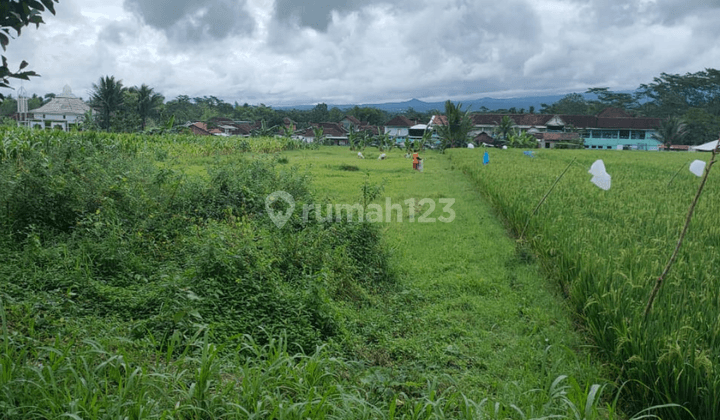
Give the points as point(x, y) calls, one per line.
point(349, 168)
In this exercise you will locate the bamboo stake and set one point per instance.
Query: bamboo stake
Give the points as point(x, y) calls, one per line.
point(670, 262)
point(543, 199)
point(676, 174)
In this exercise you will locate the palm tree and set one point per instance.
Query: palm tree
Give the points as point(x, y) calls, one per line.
point(107, 97)
point(671, 131)
point(454, 134)
point(518, 138)
point(504, 128)
point(147, 102)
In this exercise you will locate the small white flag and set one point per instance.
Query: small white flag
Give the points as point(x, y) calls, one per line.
point(598, 168)
point(603, 181)
point(600, 177)
point(697, 167)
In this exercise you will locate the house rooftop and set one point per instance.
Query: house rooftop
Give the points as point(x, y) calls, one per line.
point(65, 103)
point(400, 121)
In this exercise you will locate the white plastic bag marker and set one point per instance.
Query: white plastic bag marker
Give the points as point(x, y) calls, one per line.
point(603, 181)
point(600, 177)
point(697, 167)
point(598, 168)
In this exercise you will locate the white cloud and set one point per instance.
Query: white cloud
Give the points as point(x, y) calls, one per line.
point(360, 52)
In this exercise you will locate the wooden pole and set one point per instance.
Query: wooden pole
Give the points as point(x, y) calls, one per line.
point(671, 261)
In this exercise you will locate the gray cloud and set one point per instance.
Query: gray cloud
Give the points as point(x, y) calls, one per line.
point(673, 11)
point(113, 33)
point(313, 13)
point(194, 20)
point(317, 14)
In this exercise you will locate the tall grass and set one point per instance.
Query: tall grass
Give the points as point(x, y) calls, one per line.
point(130, 288)
point(606, 248)
point(109, 378)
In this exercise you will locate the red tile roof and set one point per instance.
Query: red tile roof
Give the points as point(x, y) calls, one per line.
point(353, 120)
point(557, 136)
point(400, 121)
point(329, 130)
point(244, 129)
point(484, 138)
point(200, 129)
point(438, 120)
point(579, 121)
point(373, 129)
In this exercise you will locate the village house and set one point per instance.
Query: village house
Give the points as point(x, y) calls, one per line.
point(399, 128)
point(334, 133)
point(63, 112)
point(613, 128)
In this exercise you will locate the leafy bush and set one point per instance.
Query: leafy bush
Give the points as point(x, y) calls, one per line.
point(95, 227)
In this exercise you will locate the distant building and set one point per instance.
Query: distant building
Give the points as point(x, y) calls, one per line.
point(63, 112)
point(333, 133)
point(350, 122)
point(611, 129)
point(202, 129)
point(399, 127)
point(550, 140)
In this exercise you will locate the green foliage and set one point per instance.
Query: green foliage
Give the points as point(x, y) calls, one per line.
point(94, 218)
point(674, 94)
point(146, 103)
point(671, 131)
point(522, 139)
point(318, 135)
point(178, 298)
point(455, 133)
point(107, 97)
point(700, 126)
point(604, 247)
point(264, 130)
point(571, 104)
point(358, 139)
point(15, 15)
point(607, 98)
point(384, 142)
point(372, 116)
point(503, 129)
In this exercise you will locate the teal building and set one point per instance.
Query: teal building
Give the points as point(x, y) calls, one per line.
point(612, 129)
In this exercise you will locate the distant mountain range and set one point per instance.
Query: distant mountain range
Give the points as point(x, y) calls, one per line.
point(475, 104)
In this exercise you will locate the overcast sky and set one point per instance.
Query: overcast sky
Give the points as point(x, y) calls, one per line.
point(284, 52)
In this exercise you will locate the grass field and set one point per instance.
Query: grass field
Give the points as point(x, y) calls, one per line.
point(607, 248)
point(469, 307)
point(142, 278)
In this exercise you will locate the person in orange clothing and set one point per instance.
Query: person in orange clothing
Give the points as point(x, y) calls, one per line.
point(416, 160)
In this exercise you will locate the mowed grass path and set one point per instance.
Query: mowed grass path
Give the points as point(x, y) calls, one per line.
point(469, 310)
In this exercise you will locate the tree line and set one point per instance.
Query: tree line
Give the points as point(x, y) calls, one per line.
point(689, 106)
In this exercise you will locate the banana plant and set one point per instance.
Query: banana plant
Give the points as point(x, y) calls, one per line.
point(318, 134)
point(384, 142)
point(264, 130)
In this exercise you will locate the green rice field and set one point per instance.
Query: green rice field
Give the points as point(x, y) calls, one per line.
point(142, 277)
point(605, 249)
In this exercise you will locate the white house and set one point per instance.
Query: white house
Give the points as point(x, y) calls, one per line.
point(399, 127)
point(62, 112)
